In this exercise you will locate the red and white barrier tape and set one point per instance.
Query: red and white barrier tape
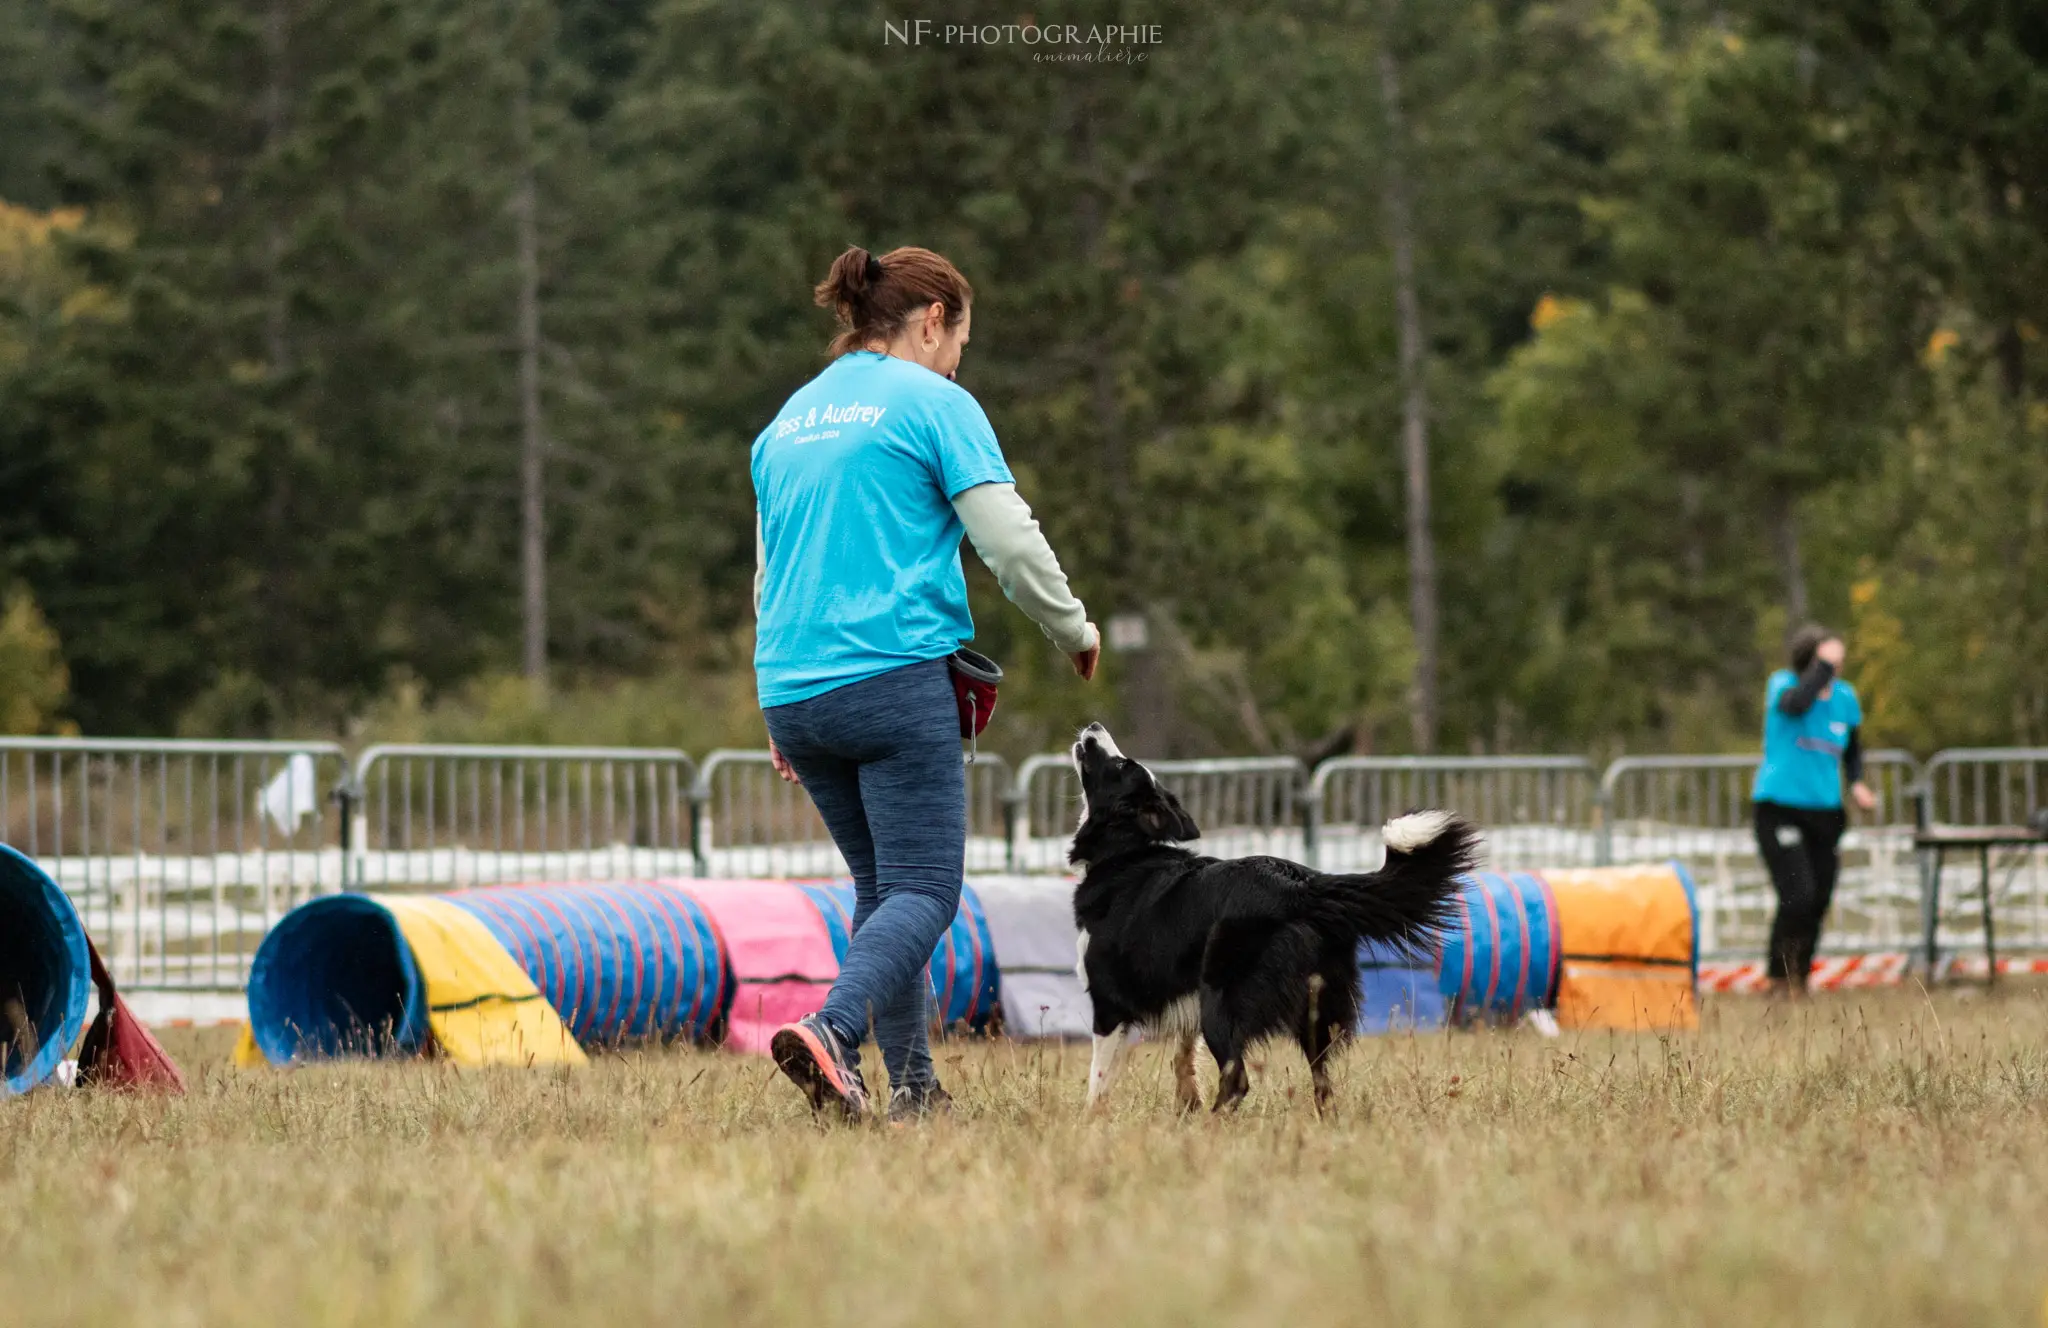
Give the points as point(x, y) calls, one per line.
point(1972, 966)
point(1844, 972)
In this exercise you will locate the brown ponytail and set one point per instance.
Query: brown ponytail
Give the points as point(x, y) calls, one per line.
point(873, 297)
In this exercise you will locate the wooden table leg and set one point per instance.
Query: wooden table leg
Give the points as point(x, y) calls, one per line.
point(1990, 946)
point(1933, 920)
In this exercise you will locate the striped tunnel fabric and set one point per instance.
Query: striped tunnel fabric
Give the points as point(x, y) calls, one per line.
point(835, 903)
point(1502, 960)
point(617, 960)
point(964, 977)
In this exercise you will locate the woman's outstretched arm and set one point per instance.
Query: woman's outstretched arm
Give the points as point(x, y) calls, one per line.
point(1003, 531)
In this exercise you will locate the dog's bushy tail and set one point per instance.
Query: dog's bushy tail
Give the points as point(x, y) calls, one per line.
point(1413, 898)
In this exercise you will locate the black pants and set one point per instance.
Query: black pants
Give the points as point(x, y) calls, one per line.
point(1800, 846)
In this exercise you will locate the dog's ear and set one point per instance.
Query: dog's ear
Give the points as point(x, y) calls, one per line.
point(1164, 818)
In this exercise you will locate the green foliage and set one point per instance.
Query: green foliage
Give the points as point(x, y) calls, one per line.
point(696, 712)
point(1678, 264)
point(33, 680)
point(31, 137)
point(1951, 622)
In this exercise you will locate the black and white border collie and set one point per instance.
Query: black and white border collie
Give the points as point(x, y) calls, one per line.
point(1238, 950)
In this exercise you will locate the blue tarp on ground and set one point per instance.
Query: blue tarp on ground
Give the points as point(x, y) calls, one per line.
point(43, 967)
point(1398, 990)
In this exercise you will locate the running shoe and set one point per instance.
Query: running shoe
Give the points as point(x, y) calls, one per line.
point(908, 1106)
point(815, 1060)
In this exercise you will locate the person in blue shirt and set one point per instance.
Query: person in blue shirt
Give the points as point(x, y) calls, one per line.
point(865, 483)
point(1812, 739)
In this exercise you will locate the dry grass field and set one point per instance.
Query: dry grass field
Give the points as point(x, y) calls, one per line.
point(1880, 1158)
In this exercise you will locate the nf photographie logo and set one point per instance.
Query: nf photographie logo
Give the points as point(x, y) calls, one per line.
point(1052, 43)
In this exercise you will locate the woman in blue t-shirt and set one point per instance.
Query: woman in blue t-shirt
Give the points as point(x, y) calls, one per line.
point(864, 485)
point(1812, 738)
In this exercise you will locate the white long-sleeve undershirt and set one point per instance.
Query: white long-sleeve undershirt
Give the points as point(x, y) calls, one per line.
point(1007, 538)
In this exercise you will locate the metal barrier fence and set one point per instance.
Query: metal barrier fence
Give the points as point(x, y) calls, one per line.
point(1537, 811)
point(1697, 809)
point(1986, 786)
point(1243, 805)
point(449, 816)
point(749, 822)
point(179, 855)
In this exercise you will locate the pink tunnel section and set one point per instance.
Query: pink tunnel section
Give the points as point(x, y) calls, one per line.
point(779, 952)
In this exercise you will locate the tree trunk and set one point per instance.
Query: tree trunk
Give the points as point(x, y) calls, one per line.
point(1144, 673)
point(277, 301)
point(2009, 350)
point(1146, 670)
point(274, 594)
point(1791, 565)
point(1422, 594)
point(532, 439)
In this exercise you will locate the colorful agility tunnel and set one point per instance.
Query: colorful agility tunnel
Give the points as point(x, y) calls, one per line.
point(527, 974)
point(617, 961)
point(484, 973)
point(965, 983)
point(1631, 947)
point(45, 974)
point(335, 977)
point(778, 955)
point(1031, 929)
point(1608, 947)
point(506, 974)
point(48, 967)
point(1503, 960)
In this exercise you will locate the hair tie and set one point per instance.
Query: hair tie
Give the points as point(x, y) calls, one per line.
point(874, 270)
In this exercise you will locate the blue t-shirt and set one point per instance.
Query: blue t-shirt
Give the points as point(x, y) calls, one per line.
point(1803, 753)
point(854, 482)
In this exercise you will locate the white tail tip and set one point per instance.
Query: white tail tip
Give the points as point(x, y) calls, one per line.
point(1405, 834)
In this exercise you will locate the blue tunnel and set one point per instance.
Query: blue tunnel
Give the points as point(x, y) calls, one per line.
point(618, 960)
point(1504, 958)
point(45, 974)
point(335, 977)
point(965, 981)
point(1499, 961)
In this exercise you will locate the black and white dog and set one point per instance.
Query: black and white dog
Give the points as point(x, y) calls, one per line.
point(1235, 950)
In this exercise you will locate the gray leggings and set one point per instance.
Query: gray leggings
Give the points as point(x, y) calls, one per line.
point(881, 759)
